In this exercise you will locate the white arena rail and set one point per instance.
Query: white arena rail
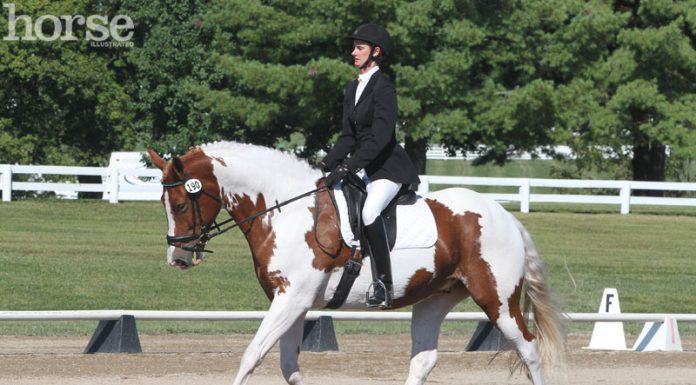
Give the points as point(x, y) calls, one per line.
point(171, 315)
point(116, 183)
point(119, 184)
point(525, 196)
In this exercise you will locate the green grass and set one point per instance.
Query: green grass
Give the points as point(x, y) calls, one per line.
point(94, 255)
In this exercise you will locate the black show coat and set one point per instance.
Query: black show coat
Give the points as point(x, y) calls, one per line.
point(368, 134)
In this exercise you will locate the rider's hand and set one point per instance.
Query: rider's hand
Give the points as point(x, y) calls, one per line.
point(337, 175)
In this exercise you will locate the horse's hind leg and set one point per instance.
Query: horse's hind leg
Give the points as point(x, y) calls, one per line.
point(290, 344)
point(510, 322)
point(425, 329)
point(513, 328)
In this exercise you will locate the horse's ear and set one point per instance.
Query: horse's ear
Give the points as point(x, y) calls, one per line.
point(156, 160)
point(178, 165)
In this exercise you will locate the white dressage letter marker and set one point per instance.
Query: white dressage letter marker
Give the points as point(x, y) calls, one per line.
point(608, 335)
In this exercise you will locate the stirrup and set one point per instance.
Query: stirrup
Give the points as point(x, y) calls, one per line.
point(371, 300)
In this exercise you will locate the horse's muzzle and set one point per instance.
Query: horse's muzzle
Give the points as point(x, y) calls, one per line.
point(184, 257)
point(185, 263)
point(180, 263)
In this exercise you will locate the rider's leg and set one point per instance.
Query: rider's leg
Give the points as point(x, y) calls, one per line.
point(379, 193)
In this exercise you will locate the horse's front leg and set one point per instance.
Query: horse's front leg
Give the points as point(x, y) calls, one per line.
point(290, 344)
point(285, 312)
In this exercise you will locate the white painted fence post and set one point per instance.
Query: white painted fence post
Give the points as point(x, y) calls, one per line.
point(6, 182)
point(524, 196)
point(625, 196)
point(424, 186)
point(113, 184)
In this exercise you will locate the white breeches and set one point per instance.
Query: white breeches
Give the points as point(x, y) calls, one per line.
point(379, 193)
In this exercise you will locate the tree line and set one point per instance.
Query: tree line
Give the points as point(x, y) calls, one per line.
point(613, 80)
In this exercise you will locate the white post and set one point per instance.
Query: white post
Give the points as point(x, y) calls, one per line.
point(625, 197)
point(524, 196)
point(113, 184)
point(6, 182)
point(424, 186)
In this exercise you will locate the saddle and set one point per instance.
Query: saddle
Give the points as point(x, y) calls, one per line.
point(418, 228)
point(355, 193)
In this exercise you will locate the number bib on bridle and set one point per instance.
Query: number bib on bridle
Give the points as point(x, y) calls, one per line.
point(193, 186)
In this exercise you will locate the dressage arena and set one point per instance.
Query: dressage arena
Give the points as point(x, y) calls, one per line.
point(362, 359)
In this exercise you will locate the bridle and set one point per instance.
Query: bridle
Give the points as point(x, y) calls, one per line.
point(194, 189)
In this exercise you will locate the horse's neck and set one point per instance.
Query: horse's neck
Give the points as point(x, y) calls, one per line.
point(253, 184)
point(252, 170)
point(263, 188)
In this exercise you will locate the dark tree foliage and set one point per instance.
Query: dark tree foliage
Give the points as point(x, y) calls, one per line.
point(614, 81)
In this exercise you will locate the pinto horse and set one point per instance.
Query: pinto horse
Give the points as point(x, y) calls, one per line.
point(481, 252)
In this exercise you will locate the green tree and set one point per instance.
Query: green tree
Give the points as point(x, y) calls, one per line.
point(614, 81)
point(635, 99)
point(469, 75)
point(263, 71)
point(237, 70)
point(281, 67)
point(60, 102)
point(169, 61)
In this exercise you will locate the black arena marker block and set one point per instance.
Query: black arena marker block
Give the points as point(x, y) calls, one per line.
point(115, 336)
point(487, 338)
point(319, 335)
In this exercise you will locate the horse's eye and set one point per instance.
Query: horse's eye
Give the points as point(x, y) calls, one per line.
point(180, 208)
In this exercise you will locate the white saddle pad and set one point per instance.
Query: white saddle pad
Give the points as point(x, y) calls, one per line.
point(415, 224)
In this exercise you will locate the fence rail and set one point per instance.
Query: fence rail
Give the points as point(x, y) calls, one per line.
point(525, 196)
point(171, 315)
point(120, 184)
point(117, 184)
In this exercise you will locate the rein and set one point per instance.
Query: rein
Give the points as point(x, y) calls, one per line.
point(194, 188)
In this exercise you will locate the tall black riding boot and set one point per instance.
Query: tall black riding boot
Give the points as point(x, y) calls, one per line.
point(383, 291)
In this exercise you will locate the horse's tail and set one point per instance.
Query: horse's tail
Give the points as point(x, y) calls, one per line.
point(547, 322)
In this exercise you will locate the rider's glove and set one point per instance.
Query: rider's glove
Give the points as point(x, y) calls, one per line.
point(337, 175)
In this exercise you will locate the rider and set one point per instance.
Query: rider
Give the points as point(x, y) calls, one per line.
point(368, 135)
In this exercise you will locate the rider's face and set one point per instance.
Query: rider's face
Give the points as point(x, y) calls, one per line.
point(361, 52)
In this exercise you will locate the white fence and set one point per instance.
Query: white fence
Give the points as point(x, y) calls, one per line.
point(119, 184)
point(623, 196)
point(172, 315)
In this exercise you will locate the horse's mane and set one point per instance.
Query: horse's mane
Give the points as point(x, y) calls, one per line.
point(267, 167)
point(265, 155)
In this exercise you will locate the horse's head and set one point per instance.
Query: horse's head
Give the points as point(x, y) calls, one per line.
point(191, 200)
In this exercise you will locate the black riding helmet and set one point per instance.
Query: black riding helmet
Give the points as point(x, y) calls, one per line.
point(377, 36)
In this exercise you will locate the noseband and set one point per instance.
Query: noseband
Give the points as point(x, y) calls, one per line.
point(194, 189)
